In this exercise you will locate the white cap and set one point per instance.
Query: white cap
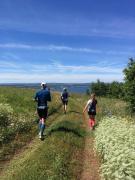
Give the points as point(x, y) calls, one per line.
point(43, 83)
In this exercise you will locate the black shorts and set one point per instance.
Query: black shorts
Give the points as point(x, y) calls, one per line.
point(93, 113)
point(42, 113)
point(65, 102)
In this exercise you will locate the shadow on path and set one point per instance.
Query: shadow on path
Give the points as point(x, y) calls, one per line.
point(75, 112)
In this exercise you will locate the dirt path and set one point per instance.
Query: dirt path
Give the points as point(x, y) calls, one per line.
point(91, 162)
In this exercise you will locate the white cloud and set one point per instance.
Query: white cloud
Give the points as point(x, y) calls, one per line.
point(66, 78)
point(61, 68)
point(15, 45)
point(57, 72)
point(78, 69)
point(52, 47)
point(48, 47)
point(68, 24)
point(8, 64)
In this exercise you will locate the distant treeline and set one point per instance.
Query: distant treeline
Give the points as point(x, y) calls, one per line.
point(114, 89)
point(125, 90)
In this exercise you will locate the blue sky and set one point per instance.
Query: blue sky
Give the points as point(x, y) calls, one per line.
point(65, 40)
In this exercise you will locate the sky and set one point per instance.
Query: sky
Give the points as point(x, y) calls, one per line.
point(70, 41)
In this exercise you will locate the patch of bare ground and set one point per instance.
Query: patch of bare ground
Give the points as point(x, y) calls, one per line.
point(91, 160)
point(91, 163)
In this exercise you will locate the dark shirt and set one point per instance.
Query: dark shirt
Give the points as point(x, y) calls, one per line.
point(92, 105)
point(42, 97)
point(64, 96)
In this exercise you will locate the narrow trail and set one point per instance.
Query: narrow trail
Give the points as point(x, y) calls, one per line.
point(91, 164)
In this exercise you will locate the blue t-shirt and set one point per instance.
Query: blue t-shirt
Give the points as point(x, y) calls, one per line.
point(42, 97)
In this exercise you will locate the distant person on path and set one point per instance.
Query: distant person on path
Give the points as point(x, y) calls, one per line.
point(64, 99)
point(91, 108)
point(42, 97)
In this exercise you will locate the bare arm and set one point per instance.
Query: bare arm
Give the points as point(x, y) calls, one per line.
point(84, 111)
point(85, 108)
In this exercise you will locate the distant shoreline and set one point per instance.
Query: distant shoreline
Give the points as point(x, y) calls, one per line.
point(72, 87)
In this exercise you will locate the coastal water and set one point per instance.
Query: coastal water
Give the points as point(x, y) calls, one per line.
point(73, 88)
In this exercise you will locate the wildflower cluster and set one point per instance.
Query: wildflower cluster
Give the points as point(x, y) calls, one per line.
point(115, 141)
point(10, 124)
point(6, 113)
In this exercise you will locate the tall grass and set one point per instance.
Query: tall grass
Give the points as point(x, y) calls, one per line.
point(54, 159)
point(21, 127)
point(59, 156)
point(110, 107)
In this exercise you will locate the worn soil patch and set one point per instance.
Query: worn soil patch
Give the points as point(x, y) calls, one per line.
point(90, 162)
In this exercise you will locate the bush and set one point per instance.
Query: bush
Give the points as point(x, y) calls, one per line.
point(130, 84)
point(99, 88)
point(6, 113)
point(113, 89)
point(6, 135)
point(115, 142)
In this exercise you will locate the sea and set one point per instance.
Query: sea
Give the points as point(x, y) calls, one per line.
point(71, 87)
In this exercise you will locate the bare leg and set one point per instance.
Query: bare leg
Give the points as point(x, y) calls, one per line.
point(91, 121)
point(65, 108)
point(41, 127)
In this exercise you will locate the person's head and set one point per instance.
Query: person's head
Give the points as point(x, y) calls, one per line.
point(43, 85)
point(93, 95)
point(64, 89)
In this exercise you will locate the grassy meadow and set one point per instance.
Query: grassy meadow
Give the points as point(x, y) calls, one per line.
point(64, 141)
point(60, 155)
point(18, 112)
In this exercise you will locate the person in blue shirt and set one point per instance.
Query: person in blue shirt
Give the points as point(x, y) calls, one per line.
point(64, 98)
point(42, 97)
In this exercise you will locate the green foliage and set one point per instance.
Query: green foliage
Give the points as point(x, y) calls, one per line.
point(6, 113)
point(16, 114)
point(114, 89)
point(6, 135)
point(111, 107)
point(99, 88)
point(130, 84)
point(114, 140)
point(21, 100)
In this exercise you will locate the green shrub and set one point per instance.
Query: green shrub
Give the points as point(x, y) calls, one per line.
point(6, 113)
point(130, 84)
point(114, 140)
point(6, 135)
